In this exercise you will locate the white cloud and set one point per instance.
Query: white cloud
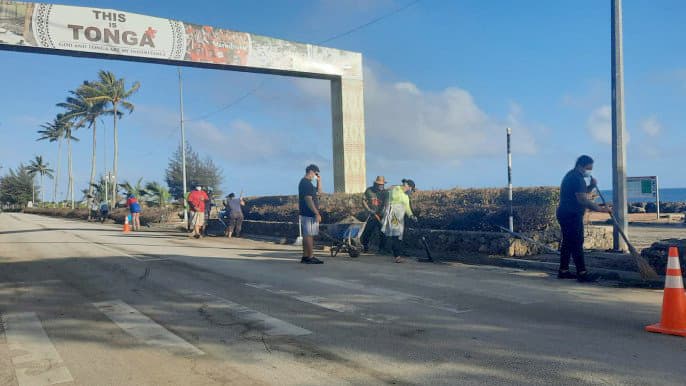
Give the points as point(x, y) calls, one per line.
point(599, 124)
point(651, 126)
point(447, 125)
point(237, 142)
point(404, 122)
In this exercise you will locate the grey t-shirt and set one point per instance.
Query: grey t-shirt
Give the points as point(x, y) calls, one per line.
point(235, 206)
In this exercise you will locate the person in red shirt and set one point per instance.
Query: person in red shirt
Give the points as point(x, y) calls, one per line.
point(135, 209)
point(197, 201)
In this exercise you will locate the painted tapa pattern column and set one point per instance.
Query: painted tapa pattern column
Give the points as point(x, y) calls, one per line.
point(347, 108)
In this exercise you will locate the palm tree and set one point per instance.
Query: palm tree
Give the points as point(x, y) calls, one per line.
point(113, 92)
point(66, 127)
point(53, 133)
point(82, 111)
point(158, 193)
point(137, 190)
point(38, 167)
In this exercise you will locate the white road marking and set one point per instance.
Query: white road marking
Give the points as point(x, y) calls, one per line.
point(390, 294)
point(324, 303)
point(316, 300)
point(270, 324)
point(145, 329)
point(35, 359)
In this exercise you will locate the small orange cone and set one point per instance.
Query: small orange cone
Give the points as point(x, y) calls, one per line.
point(673, 320)
point(127, 228)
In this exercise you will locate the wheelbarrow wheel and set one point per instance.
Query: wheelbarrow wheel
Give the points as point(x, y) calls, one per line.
point(354, 252)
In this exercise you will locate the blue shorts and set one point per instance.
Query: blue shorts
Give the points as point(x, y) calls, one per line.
point(310, 226)
point(135, 208)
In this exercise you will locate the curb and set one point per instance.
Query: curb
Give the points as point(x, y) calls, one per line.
point(627, 277)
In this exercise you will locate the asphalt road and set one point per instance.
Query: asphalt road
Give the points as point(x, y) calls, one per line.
point(86, 304)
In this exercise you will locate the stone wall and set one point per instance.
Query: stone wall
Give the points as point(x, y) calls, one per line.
point(492, 243)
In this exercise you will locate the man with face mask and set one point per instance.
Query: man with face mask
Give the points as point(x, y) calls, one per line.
point(574, 201)
point(374, 204)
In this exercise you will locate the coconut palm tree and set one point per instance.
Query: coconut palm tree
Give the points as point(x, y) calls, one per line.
point(53, 133)
point(137, 190)
point(158, 193)
point(36, 166)
point(113, 92)
point(82, 111)
point(66, 127)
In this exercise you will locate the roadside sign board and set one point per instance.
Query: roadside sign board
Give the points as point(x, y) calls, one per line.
point(644, 188)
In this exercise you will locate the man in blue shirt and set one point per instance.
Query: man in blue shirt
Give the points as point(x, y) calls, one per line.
point(570, 214)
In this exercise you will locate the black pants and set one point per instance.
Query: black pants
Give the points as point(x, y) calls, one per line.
point(396, 245)
point(572, 226)
point(373, 226)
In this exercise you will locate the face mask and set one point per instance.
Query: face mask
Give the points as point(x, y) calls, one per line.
point(314, 181)
point(198, 188)
point(587, 173)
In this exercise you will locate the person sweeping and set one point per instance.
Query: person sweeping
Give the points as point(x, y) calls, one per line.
point(397, 206)
point(574, 200)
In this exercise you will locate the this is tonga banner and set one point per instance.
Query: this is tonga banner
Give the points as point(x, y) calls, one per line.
point(112, 32)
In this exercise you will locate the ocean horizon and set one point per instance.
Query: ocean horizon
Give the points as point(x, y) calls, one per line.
point(666, 195)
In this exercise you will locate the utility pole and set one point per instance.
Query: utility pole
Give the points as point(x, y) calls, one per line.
point(183, 149)
point(619, 192)
point(509, 178)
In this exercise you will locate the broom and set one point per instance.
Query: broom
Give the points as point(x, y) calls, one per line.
point(646, 271)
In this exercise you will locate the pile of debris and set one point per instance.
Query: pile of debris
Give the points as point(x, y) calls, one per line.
point(657, 254)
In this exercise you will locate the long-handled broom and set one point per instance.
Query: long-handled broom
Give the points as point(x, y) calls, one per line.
point(646, 271)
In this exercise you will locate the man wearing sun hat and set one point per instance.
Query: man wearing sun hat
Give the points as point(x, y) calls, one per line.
point(374, 204)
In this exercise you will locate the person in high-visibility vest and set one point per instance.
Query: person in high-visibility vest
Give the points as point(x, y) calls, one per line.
point(397, 206)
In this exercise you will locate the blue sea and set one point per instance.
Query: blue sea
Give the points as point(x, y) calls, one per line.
point(666, 195)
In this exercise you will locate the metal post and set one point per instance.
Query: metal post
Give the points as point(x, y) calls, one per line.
point(509, 178)
point(183, 149)
point(618, 147)
point(657, 197)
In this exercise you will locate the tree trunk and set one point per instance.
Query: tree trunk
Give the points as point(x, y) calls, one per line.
point(42, 191)
point(92, 181)
point(71, 176)
point(115, 160)
point(57, 176)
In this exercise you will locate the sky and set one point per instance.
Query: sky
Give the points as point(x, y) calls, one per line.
point(443, 81)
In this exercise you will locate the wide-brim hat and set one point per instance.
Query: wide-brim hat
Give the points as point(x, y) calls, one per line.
point(380, 180)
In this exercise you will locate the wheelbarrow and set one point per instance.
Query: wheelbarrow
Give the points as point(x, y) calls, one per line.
point(345, 236)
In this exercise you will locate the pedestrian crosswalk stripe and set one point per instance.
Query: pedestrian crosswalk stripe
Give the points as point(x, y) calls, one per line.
point(270, 324)
point(389, 294)
point(145, 329)
point(316, 300)
point(324, 303)
point(35, 359)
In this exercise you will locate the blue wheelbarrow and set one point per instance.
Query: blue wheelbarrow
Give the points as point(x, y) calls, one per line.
point(345, 236)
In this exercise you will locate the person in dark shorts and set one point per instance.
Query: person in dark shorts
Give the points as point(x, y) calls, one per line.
point(308, 202)
point(374, 205)
point(104, 211)
point(574, 201)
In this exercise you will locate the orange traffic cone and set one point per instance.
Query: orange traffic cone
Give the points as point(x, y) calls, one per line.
point(127, 228)
point(673, 320)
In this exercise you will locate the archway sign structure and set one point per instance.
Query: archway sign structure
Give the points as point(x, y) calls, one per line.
point(112, 34)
